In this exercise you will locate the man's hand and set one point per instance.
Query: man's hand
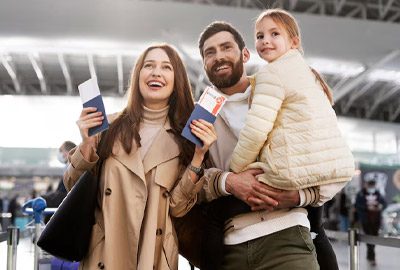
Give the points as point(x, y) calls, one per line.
point(242, 185)
point(262, 195)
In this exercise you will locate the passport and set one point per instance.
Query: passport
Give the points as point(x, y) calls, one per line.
point(208, 107)
point(91, 97)
point(198, 113)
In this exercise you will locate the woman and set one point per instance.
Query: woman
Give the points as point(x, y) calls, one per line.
point(149, 171)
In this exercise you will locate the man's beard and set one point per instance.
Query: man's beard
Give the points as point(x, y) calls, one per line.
point(227, 80)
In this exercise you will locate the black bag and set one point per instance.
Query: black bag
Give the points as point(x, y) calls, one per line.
point(190, 230)
point(67, 234)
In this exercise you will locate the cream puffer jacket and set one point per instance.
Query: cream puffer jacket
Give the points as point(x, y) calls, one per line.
point(291, 130)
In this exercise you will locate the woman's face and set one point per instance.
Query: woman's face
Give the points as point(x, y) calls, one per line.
point(156, 79)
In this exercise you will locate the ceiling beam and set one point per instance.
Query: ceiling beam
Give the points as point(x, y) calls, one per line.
point(92, 67)
point(354, 12)
point(383, 9)
point(66, 72)
point(292, 4)
point(347, 88)
point(394, 112)
point(6, 60)
point(341, 82)
point(277, 4)
point(39, 71)
point(356, 94)
point(253, 4)
point(379, 6)
point(200, 86)
point(382, 98)
point(394, 17)
point(364, 11)
point(338, 4)
point(120, 70)
point(313, 8)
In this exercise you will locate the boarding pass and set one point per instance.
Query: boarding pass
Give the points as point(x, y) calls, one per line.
point(212, 101)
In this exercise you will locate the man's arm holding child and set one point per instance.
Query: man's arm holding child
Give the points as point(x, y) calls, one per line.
point(259, 196)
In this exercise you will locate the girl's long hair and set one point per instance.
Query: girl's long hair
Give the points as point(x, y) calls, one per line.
point(125, 127)
point(289, 23)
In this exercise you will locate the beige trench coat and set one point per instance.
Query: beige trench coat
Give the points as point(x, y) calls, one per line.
point(118, 240)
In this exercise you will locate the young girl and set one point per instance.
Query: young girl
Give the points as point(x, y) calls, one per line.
point(291, 130)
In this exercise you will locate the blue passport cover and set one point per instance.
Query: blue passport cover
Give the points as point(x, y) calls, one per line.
point(98, 103)
point(198, 113)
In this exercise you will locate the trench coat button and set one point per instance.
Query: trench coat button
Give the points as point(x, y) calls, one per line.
point(100, 265)
point(108, 191)
point(165, 194)
point(159, 231)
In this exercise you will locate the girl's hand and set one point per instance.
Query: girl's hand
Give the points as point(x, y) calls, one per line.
point(89, 118)
point(206, 133)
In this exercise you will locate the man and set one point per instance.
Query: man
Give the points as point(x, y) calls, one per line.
point(54, 198)
point(224, 54)
point(369, 206)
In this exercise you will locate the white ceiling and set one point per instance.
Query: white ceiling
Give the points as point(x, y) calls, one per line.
point(103, 29)
point(133, 22)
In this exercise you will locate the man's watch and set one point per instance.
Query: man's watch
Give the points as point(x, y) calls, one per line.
point(199, 171)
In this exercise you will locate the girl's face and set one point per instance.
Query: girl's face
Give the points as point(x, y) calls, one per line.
point(156, 79)
point(272, 40)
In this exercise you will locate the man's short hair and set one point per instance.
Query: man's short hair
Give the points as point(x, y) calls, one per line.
point(68, 145)
point(216, 27)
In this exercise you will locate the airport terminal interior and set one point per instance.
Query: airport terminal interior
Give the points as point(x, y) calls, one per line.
point(48, 48)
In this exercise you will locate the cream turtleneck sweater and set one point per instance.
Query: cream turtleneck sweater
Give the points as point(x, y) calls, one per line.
point(153, 121)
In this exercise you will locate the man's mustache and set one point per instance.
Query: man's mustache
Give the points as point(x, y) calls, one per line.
point(221, 63)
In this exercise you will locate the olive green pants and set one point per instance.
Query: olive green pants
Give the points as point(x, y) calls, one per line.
point(288, 249)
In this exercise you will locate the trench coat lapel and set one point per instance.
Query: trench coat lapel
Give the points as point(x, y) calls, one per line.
point(162, 149)
point(131, 161)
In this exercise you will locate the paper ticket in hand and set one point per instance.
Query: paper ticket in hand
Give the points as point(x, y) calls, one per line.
point(208, 107)
point(91, 97)
point(212, 101)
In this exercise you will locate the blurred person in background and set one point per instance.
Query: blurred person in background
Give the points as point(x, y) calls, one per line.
point(369, 206)
point(54, 198)
point(344, 207)
point(14, 207)
point(1, 214)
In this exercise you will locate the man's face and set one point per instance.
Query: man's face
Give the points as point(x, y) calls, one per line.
point(223, 60)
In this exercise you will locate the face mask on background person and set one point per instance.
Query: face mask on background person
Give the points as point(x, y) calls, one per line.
point(61, 157)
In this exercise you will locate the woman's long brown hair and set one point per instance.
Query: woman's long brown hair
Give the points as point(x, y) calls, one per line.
point(126, 126)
